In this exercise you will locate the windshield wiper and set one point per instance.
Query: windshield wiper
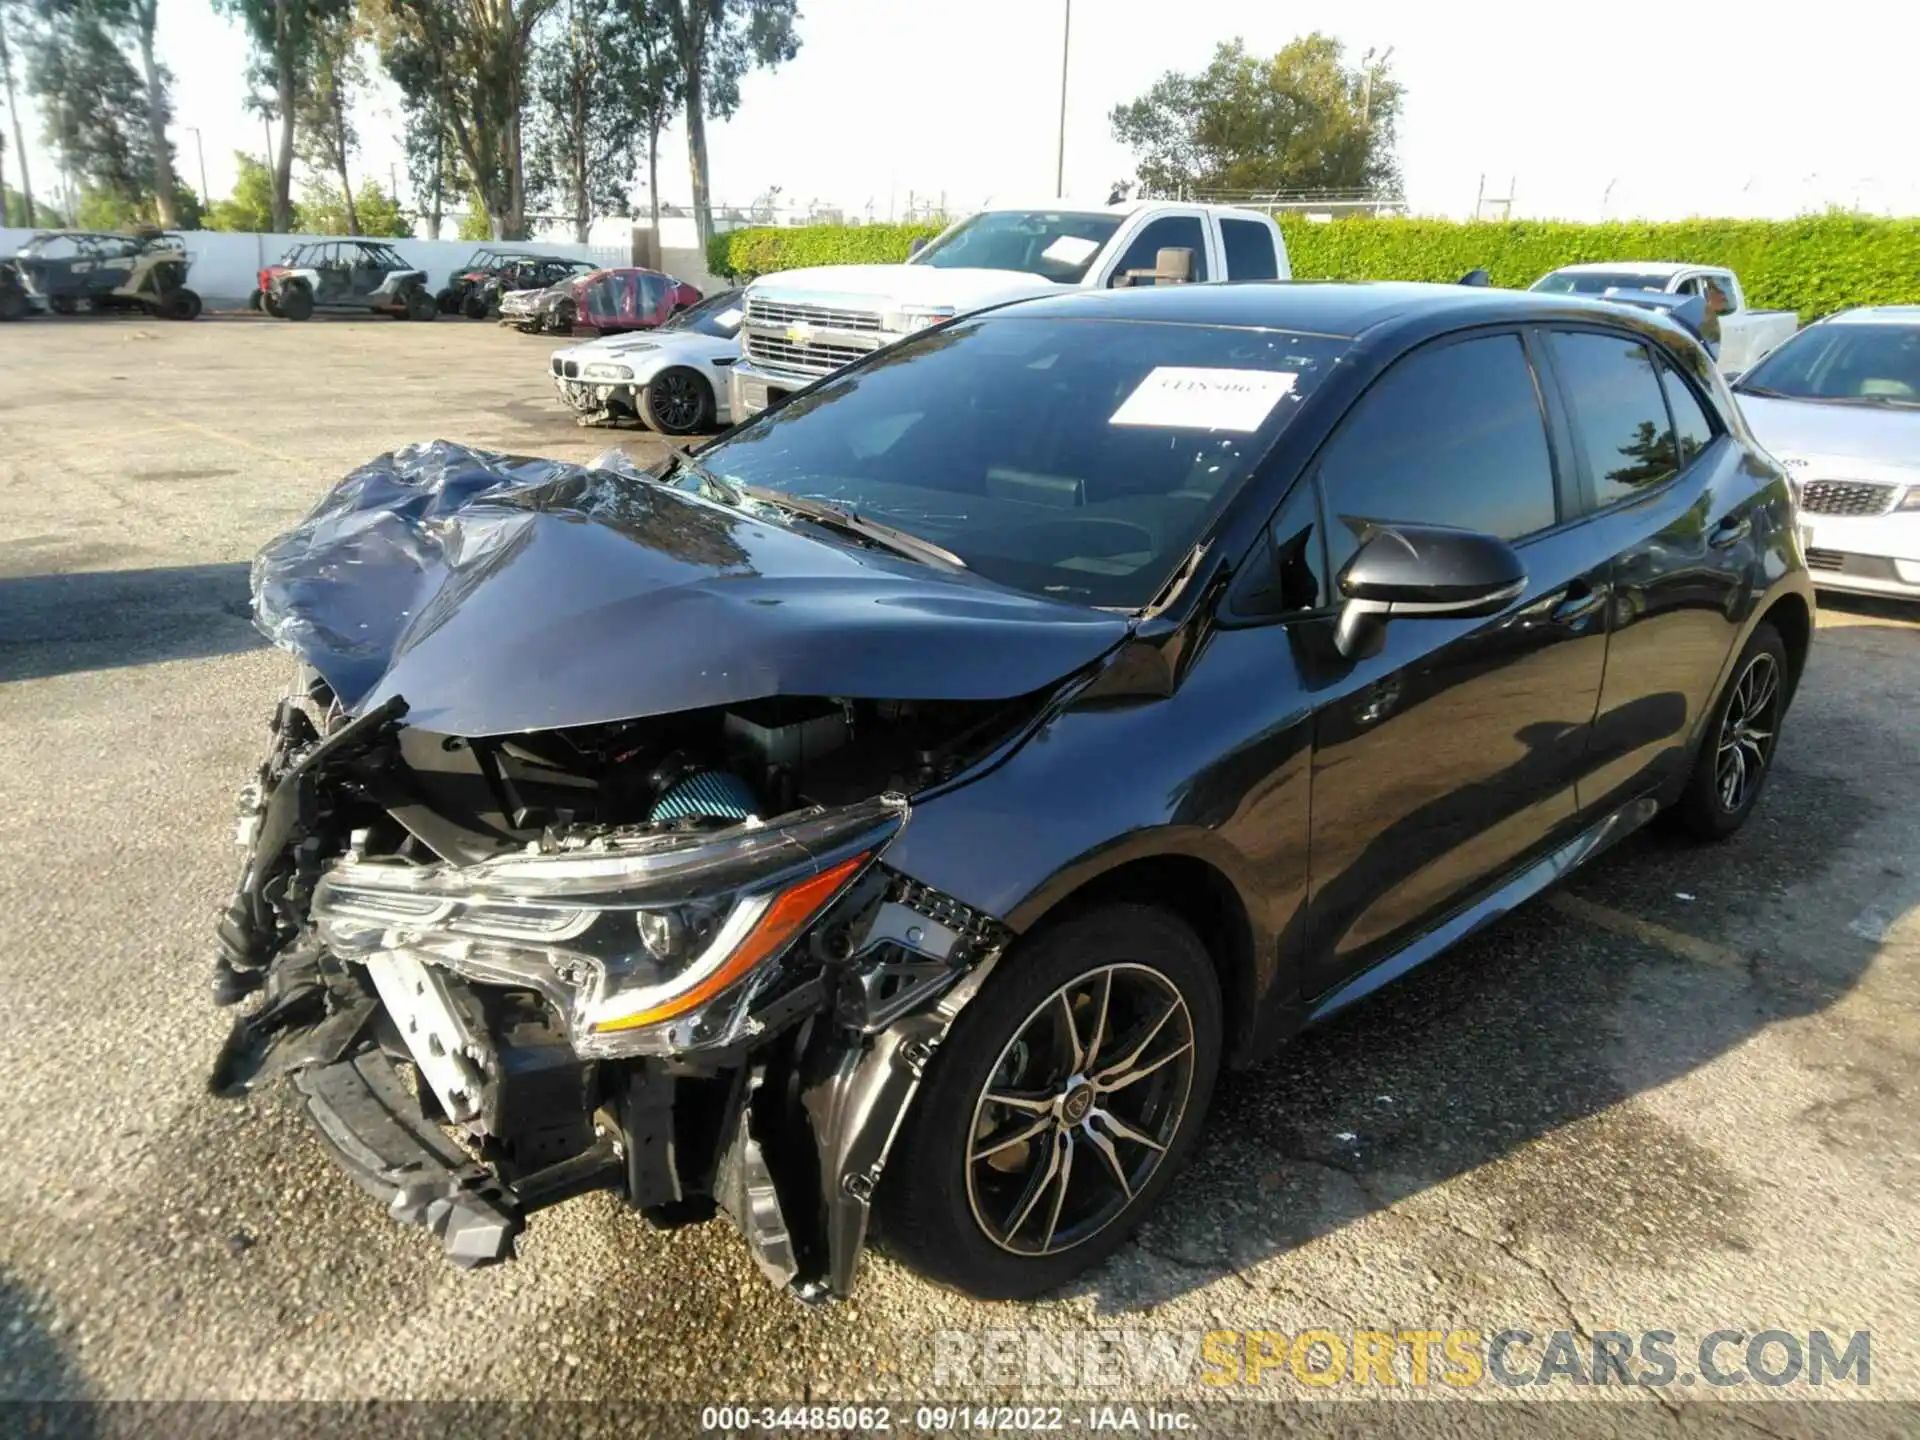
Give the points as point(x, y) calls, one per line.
point(820, 512)
point(1763, 392)
point(845, 519)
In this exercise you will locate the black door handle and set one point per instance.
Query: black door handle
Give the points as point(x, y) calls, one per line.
point(1730, 531)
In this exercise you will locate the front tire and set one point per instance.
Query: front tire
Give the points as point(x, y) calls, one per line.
point(296, 303)
point(677, 401)
point(63, 305)
point(421, 306)
point(1736, 752)
point(1059, 1108)
point(475, 306)
point(564, 317)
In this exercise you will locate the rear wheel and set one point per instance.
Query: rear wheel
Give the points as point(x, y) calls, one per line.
point(271, 305)
point(296, 302)
point(1736, 755)
point(13, 303)
point(1060, 1107)
point(253, 300)
point(677, 402)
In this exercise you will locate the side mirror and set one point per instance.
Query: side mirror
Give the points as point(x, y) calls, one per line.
point(1171, 266)
point(1422, 571)
point(916, 245)
point(1476, 277)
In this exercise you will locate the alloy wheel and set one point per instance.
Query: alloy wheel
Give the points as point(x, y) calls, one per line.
point(1747, 731)
point(1079, 1109)
point(676, 400)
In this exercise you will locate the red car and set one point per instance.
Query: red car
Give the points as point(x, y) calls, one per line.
point(606, 301)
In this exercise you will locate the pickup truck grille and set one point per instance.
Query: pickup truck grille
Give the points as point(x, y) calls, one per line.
point(814, 359)
point(1845, 497)
point(776, 313)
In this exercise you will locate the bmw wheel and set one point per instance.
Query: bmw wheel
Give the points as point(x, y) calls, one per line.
point(1736, 753)
point(1060, 1107)
point(677, 402)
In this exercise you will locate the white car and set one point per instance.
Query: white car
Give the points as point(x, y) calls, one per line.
point(1745, 334)
point(673, 378)
point(1839, 406)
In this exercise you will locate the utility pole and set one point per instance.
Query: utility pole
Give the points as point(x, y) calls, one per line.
point(206, 199)
point(1060, 151)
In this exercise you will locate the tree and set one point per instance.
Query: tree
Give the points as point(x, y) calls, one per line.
point(325, 211)
point(433, 157)
point(1300, 121)
point(583, 125)
point(97, 109)
point(469, 59)
point(654, 83)
point(142, 16)
point(40, 217)
point(284, 34)
point(717, 42)
point(324, 109)
point(11, 13)
point(250, 206)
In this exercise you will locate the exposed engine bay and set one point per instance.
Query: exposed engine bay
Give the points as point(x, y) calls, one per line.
point(661, 955)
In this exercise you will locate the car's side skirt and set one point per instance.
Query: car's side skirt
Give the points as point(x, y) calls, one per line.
point(1514, 892)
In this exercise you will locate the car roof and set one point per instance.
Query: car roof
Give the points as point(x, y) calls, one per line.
point(1876, 315)
point(1669, 268)
point(1343, 308)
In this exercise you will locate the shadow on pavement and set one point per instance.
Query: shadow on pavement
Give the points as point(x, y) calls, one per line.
point(34, 1365)
point(102, 619)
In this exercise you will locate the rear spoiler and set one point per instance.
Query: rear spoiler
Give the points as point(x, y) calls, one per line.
point(1687, 311)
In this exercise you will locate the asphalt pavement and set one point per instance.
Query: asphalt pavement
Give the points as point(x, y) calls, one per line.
point(1680, 1094)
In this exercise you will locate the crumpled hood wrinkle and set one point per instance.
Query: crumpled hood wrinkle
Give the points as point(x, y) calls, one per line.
point(499, 594)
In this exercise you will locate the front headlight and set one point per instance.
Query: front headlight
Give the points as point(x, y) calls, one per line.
point(909, 318)
point(656, 944)
point(1911, 500)
point(604, 371)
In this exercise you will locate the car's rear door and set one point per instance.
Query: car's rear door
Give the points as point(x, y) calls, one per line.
point(1447, 760)
point(1669, 497)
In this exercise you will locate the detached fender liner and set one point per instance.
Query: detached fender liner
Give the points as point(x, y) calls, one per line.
point(367, 1117)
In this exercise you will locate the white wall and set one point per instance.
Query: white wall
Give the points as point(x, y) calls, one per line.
point(225, 263)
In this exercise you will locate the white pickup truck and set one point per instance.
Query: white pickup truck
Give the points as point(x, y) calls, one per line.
point(802, 324)
point(1745, 335)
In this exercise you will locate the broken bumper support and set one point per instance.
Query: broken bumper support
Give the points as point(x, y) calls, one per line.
point(368, 1119)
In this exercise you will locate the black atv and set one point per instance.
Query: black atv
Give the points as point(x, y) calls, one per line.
point(145, 271)
point(531, 272)
point(351, 274)
point(481, 266)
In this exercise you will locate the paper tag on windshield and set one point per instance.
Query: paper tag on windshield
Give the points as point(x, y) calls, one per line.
point(1071, 250)
point(728, 317)
point(1178, 397)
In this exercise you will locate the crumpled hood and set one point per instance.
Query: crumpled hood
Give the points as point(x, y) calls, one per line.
point(887, 286)
point(497, 594)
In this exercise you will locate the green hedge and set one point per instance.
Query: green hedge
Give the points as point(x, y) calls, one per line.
point(743, 254)
point(1815, 265)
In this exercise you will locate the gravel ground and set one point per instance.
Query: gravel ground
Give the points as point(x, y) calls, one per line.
point(1681, 1094)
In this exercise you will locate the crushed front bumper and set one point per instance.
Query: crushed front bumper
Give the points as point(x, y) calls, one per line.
point(455, 1092)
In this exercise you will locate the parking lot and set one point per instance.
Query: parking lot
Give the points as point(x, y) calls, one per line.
point(1682, 1093)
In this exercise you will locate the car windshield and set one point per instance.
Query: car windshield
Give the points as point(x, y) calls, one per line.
point(1056, 244)
point(1597, 282)
point(717, 315)
point(1078, 459)
point(1863, 364)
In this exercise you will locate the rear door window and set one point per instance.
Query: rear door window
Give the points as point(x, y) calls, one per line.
point(1451, 435)
point(1620, 421)
point(1249, 247)
point(1690, 422)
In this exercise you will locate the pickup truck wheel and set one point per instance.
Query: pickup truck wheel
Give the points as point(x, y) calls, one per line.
point(1059, 1108)
point(296, 303)
point(677, 402)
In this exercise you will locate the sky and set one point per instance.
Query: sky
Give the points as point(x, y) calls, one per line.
point(1625, 108)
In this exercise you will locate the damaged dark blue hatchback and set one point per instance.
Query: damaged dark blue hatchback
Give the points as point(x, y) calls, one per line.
point(899, 810)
